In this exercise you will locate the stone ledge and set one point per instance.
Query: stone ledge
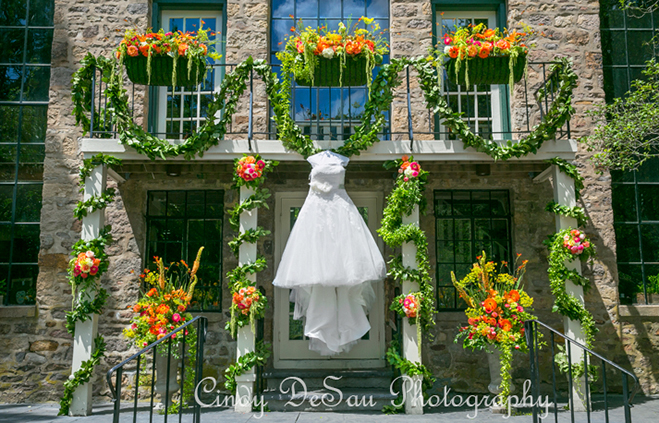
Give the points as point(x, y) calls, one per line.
point(18, 311)
point(638, 310)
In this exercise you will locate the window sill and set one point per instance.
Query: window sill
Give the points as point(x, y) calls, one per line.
point(651, 310)
point(18, 311)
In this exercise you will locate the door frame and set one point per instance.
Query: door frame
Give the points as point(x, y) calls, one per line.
point(280, 295)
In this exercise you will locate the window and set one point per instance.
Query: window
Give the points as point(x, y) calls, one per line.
point(468, 222)
point(26, 36)
point(325, 113)
point(636, 214)
point(178, 224)
point(626, 46)
point(180, 111)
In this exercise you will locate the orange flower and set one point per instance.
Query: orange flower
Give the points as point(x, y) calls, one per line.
point(472, 50)
point(145, 49)
point(181, 308)
point(502, 45)
point(162, 309)
point(168, 297)
point(513, 296)
point(505, 325)
point(203, 46)
point(489, 33)
point(117, 54)
point(152, 292)
point(484, 53)
point(453, 52)
point(405, 158)
point(182, 48)
point(490, 305)
point(136, 308)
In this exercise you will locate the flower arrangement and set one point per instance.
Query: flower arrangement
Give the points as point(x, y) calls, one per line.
point(86, 264)
point(346, 46)
point(163, 307)
point(174, 46)
point(497, 309)
point(576, 243)
point(251, 168)
point(469, 44)
point(409, 168)
point(247, 306)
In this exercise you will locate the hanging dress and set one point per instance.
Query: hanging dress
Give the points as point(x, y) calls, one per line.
point(330, 261)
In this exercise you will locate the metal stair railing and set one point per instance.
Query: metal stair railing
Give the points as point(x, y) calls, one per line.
point(583, 374)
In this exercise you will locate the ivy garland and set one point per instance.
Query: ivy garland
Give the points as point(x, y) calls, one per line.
point(88, 296)
point(575, 212)
point(93, 203)
point(564, 302)
point(279, 94)
point(82, 376)
point(238, 277)
point(258, 357)
point(570, 170)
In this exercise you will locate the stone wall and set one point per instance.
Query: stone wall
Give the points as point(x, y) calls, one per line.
point(35, 352)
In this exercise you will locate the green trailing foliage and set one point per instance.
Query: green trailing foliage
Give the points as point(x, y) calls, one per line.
point(574, 212)
point(84, 310)
point(279, 94)
point(256, 200)
point(258, 357)
point(564, 302)
point(81, 376)
point(88, 165)
point(93, 203)
point(249, 236)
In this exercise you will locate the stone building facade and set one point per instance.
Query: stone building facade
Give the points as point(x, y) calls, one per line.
point(35, 348)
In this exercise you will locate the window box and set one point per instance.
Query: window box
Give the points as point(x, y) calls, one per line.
point(162, 70)
point(493, 70)
point(328, 73)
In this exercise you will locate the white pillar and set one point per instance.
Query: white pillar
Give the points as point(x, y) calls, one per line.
point(411, 347)
point(565, 195)
point(245, 337)
point(86, 331)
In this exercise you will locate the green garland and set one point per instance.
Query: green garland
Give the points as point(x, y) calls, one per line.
point(88, 296)
point(88, 166)
point(249, 236)
point(565, 303)
point(405, 196)
point(408, 368)
point(256, 200)
point(279, 94)
point(81, 376)
point(93, 203)
point(258, 357)
point(570, 170)
point(575, 212)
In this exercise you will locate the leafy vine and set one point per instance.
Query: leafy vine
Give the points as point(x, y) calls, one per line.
point(93, 203)
point(258, 357)
point(575, 212)
point(566, 303)
point(82, 376)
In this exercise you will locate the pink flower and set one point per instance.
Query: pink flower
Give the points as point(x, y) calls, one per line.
point(415, 173)
point(520, 308)
point(260, 164)
point(76, 270)
point(93, 270)
point(133, 326)
point(406, 179)
point(176, 317)
point(144, 344)
point(516, 347)
point(495, 314)
point(414, 166)
point(400, 170)
point(162, 330)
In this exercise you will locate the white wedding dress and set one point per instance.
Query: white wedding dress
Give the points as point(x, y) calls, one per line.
point(330, 261)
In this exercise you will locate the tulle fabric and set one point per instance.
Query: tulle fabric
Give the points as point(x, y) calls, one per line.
point(330, 262)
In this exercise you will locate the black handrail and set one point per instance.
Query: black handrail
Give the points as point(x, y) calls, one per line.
point(182, 116)
point(532, 339)
point(201, 323)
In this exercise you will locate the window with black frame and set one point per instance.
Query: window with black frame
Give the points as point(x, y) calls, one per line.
point(26, 37)
point(628, 42)
point(178, 224)
point(325, 113)
point(468, 222)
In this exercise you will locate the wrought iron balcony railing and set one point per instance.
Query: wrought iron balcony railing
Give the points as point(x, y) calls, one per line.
point(325, 114)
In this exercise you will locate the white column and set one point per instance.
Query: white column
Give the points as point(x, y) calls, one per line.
point(86, 331)
point(246, 338)
point(411, 347)
point(565, 195)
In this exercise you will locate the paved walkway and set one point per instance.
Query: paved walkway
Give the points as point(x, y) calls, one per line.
point(645, 410)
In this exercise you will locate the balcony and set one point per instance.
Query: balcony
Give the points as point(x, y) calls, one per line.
point(329, 116)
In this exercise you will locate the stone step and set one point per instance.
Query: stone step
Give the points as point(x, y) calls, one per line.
point(340, 378)
point(323, 400)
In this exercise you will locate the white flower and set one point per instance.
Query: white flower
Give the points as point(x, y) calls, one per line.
point(328, 53)
point(447, 49)
point(90, 254)
point(582, 236)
